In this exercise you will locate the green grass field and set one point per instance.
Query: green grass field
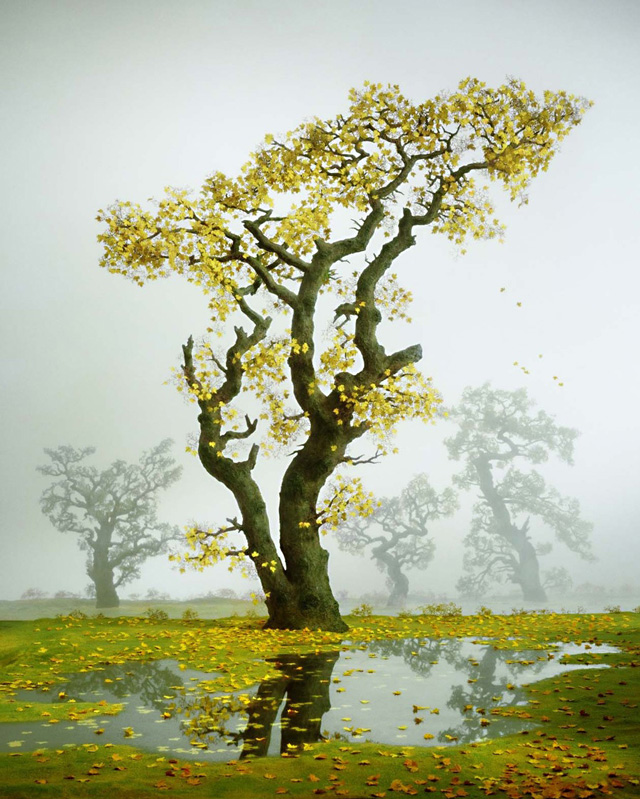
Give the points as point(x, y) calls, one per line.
point(213, 608)
point(584, 740)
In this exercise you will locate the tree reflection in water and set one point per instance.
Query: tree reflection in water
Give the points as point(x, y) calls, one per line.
point(491, 678)
point(152, 681)
point(303, 686)
point(409, 679)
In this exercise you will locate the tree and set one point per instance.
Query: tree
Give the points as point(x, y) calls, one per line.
point(262, 244)
point(496, 431)
point(397, 532)
point(113, 512)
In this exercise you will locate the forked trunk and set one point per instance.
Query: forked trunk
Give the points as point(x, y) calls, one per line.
point(297, 591)
point(310, 602)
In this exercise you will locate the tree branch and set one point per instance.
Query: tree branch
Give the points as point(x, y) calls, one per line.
point(266, 244)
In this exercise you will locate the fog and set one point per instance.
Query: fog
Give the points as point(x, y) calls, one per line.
point(105, 101)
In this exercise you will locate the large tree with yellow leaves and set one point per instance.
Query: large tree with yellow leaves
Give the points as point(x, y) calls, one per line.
point(262, 249)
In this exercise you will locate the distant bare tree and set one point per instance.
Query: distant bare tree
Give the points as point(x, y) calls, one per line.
point(33, 593)
point(397, 532)
point(113, 512)
point(496, 431)
point(557, 580)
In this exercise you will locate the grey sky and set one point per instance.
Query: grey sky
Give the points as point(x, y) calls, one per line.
point(115, 100)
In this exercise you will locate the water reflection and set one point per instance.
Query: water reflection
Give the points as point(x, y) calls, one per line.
point(412, 692)
point(152, 683)
point(493, 680)
point(289, 707)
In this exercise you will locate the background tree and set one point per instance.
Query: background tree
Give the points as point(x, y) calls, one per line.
point(557, 580)
point(262, 244)
point(113, 512)
point(397, 532)
point(496, 431)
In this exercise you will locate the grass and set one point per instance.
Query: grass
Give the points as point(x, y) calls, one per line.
point(586, 742)
point(206, 608)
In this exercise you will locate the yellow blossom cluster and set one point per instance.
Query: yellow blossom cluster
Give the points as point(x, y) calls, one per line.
point(208, 546)
point(393, 298)
point(518, 132)
point(405, 395)
point(339, 356)
point(343, 498)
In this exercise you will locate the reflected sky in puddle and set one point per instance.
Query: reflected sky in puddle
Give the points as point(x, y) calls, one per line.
point(393, 692)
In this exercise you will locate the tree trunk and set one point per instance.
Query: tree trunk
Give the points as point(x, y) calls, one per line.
point(101, 572)
point(311, 602)
point(528, 575)
point(399, 581)
point(106, 594)
point(298, 593)
point(527, 572)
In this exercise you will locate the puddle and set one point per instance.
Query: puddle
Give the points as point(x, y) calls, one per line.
point(392, 692)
